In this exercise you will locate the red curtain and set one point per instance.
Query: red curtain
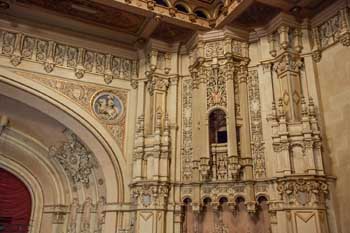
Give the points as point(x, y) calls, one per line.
point(15, 204)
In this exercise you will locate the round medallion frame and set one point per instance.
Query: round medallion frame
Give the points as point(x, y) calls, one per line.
point(107, 106)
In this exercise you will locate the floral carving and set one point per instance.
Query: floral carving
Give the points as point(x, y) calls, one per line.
point(214, 49)
point(256, 125)
point(329, 31)
point(75, 158)
point(52, 54)
point(28, 47)
point(151, 195)
point(303, 190)
point(187, 129)
point(216, 88)
point(41, 50)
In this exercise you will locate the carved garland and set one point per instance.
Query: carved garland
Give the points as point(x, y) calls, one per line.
point(256, 125)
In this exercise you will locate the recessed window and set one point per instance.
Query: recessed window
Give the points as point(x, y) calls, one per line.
point(181, 8)
point(162, 3)
point(217, 127)
point(201, 14)
point(222, 136)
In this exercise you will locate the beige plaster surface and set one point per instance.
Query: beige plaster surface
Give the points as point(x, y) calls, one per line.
point(334, 88)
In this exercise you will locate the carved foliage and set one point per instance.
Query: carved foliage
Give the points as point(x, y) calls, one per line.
point(187, 129)
point(218, 48)
point(214, 49)
point(335, 29)
point(216, 88)
point(149, 195)
point(52, 54)
point(329, 31)
point(75, 158)
point(303, 190)
point(256, 125)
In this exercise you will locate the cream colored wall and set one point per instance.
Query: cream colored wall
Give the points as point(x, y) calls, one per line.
point(334, 89)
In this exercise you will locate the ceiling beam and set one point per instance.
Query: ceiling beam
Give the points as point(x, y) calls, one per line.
point(149, 28)
point(282, 4)
point(234, 10)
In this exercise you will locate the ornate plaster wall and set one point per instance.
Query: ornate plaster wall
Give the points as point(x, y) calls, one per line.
point(334, 88)
point(145, 116)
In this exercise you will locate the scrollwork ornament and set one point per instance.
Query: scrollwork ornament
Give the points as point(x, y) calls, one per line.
point(49, 66)
point(257, 144)
point(16, 60)
point(75, 158)
point(134, 83)
point(79, 73)
point(345, 39)
point(303, 190)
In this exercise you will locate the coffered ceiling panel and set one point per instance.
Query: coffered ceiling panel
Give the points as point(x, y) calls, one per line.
point(172, 33)
point(91, 12)
point(257, 15)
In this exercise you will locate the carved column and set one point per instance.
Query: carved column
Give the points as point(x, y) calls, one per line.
point(246, 156)
point(152, 151)
point(231, 120)
point(202, 124)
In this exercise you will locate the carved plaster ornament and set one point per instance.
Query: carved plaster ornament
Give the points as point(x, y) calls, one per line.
point(73, 216)
point(21, 47)
point(256, 125)
point(107, 106)
point(100, 214)
point(86, 216)
point(3, 123)
point(75, 158)
point(187, 129)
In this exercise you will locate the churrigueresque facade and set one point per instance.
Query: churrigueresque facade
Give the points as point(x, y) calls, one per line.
point(166, 116)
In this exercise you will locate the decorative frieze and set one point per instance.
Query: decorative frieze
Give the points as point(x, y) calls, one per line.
point(148, 195)
point(257, 144)
point(303, 190)
point(222, 47)
point(19, 47)
point(334, 30)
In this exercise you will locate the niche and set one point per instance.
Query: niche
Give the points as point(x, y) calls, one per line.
point(217, 127)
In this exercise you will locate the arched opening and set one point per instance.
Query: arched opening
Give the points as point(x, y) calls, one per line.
point(180, 7)
point(162, 3)
point(15, 204)
point(29, 111)
point(217, 127)
point(201, 14)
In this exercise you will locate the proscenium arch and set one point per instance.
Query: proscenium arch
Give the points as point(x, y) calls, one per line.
point(33, 187)
point(81, 123)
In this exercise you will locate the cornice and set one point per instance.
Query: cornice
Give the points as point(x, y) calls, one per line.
point(216, 35)
point(273, 25)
